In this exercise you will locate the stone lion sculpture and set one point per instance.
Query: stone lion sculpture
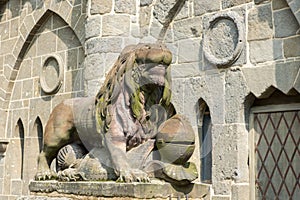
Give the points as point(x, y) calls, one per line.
point(132, 108)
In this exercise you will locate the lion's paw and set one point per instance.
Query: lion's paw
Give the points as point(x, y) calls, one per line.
point(133, 175)
point(45, 175)
point(70, 174)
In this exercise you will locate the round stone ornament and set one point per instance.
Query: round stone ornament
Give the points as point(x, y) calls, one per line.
point(51, 76)
point(223, 38)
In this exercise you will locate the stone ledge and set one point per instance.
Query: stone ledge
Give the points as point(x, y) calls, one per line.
point(156, 189)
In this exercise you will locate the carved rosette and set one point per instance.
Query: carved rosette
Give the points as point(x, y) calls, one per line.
point(224, 38)
point(51, 75)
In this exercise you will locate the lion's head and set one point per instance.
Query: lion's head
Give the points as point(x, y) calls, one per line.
point(142, 72)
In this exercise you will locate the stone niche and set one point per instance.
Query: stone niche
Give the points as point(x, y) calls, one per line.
point(224, 38)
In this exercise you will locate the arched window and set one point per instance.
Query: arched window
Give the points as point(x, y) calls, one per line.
point(38, 127)
point(205, 137)
point(20, 131)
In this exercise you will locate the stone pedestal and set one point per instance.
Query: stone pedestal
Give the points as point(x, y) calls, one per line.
point(154, 190)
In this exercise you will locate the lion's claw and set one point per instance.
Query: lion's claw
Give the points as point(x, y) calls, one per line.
point(70, 174)
point(133, 175)
point(45, 175)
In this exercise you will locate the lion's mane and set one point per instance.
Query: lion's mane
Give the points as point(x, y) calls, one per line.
point(121, 78)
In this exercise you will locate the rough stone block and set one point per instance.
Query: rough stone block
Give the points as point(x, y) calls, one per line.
point(188, 28)
point(93, 27)
point(291, 47)
point(279, 4)
point(223, 197)
point(189, 50)
point(94, 66)
point(125, 6)
point(240, 192)
point(153, 190)
point(93, 87)
point(116, 25)
point(261, 51)
point(177, 94)
point(230, 156)
point(231, 3)
point(236, 90)
point(285, 23)
point(144, 20)
point(261, 1)
point(207, 88)
point(100, 6)
point(202, 6)
point(145, 2)
point(103, 45)
point(155, 31)
point(185, 70)
point(110, 59)
point(260, 25)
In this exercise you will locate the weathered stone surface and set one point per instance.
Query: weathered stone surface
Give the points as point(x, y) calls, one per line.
point(285, 23)
point(43, 198)
point(145, 2)
point(262, 78)
point(94, 66)
point(185, 70)
point(240, 192)
point(188, 28)
point(100, 6)
point(261, 51)
point(236, 90)
point(189, 50)
point(156, 189)
point(162, 9)
point(291, 47)
point(231, 3)
point(224, 38)
point(125, 6)
point(202, 6)
point(223, 197)
point(260, 25)
point(261, 1)
point(103, 45)
point(279, 4)
point(230, 147)
point(144, 19)
point(207, 87)
point(66, 38)
point(93, 27)
point(115, 25)
point(295, 7)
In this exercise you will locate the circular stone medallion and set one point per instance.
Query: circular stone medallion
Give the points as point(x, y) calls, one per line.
point(223, 39)
point(51, 76)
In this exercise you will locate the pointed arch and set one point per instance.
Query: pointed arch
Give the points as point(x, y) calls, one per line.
point(38, 129)
point(19, 130)
point(205, 141)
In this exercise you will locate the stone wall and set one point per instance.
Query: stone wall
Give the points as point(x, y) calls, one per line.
point(42, 57)
point(226, 54)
